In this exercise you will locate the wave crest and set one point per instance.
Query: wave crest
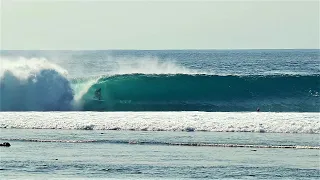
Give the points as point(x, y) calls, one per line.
point(34, 85)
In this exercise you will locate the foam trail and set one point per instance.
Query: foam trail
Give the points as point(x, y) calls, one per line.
point(307, 123)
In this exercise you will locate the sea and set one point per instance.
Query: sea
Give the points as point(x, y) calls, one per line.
point(160, 114)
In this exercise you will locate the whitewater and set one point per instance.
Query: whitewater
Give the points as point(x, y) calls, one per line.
point(262, 122)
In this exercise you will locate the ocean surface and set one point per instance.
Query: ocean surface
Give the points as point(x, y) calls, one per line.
point(164, 114)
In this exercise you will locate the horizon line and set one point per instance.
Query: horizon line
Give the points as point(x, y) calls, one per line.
point(187, 49)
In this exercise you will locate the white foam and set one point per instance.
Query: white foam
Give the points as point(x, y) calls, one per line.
point(24, 68)
point(166, 121)
point(34, 84)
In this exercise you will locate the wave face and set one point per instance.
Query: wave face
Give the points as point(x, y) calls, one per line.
point(39, 85)
point(181, 92)
point(36, 85)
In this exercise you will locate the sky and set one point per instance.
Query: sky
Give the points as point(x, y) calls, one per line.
point(96, 25)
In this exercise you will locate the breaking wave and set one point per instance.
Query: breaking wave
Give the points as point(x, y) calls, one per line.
point(201, 92)
point(34, 85)
point(38, 85)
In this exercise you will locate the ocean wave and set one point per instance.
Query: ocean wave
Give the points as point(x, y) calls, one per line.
point(34, 85)
point(39, 85)
point(201, 92)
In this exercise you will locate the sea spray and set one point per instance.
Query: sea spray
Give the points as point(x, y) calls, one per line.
point(34, 85)
point(149, 65)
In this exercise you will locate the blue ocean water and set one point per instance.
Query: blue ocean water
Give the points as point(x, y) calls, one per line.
point(164, 114)
point(237, 80)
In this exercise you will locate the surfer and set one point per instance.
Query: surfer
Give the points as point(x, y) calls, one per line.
point(258, 109)
point(97, 93)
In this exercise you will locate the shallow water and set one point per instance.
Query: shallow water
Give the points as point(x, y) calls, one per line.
point(122, 154)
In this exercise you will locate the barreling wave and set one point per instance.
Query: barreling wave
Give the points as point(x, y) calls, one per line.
point(201, 92)
point(39, 85)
